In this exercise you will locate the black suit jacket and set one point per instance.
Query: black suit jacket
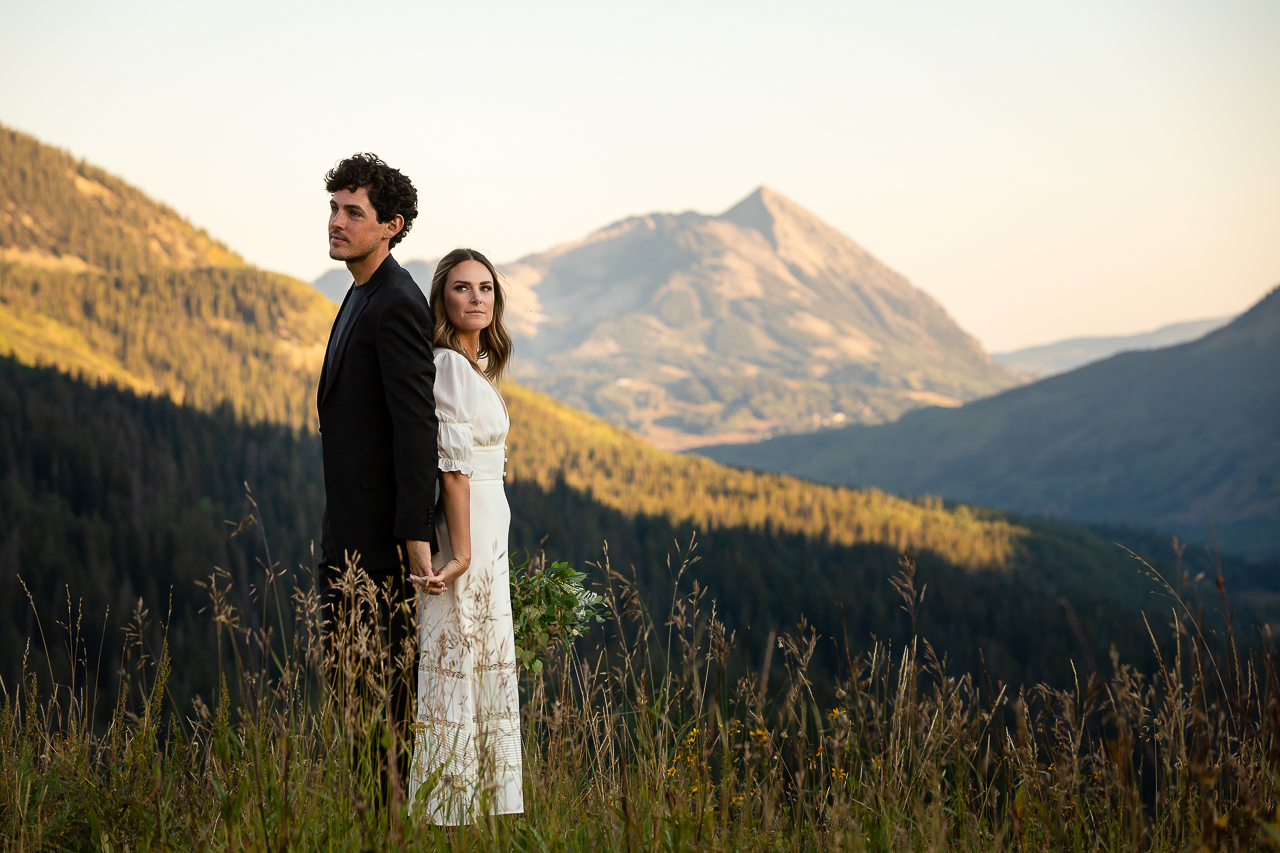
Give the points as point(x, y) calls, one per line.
point(378, 426)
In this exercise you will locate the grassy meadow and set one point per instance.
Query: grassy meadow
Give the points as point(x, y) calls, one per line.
point(654, 732)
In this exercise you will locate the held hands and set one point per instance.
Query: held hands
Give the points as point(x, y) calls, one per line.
point(435, 583)
point(423, 576)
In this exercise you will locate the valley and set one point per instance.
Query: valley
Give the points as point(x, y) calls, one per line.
point(141, 397)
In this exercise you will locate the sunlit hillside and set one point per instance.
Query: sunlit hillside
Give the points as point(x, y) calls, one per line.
point(104, 283)
point(57, 212)
point(550, 442)
point(205, 337)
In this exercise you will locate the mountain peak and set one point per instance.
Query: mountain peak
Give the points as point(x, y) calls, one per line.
point(763, 210)
point(809, 246)
point(691, 328)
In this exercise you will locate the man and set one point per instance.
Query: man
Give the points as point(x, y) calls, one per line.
point(377, 412)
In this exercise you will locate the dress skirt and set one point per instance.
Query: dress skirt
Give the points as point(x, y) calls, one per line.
point(467, 753)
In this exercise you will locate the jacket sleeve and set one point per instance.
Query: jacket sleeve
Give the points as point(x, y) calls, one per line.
point(408, 379)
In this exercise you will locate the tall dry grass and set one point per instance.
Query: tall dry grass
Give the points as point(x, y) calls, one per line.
point(665, 737)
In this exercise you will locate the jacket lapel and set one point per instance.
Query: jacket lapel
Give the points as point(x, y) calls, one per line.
point(330, 371)
point(326, 370)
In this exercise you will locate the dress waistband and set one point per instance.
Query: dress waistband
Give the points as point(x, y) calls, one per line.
point(487, 463)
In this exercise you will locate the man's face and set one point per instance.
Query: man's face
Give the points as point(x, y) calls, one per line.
point(354, 229)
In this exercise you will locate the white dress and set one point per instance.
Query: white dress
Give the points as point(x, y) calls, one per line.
point(467, 737)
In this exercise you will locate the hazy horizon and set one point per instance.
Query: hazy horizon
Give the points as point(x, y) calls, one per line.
point(1045, 172)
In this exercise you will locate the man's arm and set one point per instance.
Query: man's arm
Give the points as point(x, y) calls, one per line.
point(455, 495)
point(408, 377)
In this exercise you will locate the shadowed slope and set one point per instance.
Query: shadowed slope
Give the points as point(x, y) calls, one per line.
point(1141, 438)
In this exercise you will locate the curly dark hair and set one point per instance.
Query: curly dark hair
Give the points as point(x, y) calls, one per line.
point(390, 190)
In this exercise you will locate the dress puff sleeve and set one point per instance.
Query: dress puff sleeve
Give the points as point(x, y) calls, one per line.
point(457, 392)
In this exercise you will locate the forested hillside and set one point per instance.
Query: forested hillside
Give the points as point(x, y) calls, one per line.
point(107, 284)
point(62, 213)
point(551, 442)
point(1149, 438)
point(107, 496)
point(205, 337)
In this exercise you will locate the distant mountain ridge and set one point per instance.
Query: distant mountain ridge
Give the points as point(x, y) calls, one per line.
point(1061, 356)
point(1151, 438)
point(690, 329)
point(335, 283)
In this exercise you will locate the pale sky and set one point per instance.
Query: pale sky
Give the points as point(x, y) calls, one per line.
point(1044, 170)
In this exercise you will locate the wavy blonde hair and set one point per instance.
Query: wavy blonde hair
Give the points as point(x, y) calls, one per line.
point(495, 340)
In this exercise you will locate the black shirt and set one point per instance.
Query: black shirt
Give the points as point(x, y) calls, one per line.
point(352, 306)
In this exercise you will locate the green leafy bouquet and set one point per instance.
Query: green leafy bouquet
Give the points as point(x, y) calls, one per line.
point(550, 604)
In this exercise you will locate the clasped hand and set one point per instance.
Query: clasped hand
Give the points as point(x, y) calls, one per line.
point(433, 581)
point(422, 575)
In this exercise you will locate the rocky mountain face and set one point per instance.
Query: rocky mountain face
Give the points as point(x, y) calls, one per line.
point(1174, 438)
point(692, 329)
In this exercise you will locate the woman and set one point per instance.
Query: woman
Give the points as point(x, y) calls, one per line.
point(467, 755)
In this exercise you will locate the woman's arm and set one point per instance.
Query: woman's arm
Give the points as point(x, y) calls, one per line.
point(455, 494)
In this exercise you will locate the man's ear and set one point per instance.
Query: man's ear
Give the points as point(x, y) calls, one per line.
point(394, 226)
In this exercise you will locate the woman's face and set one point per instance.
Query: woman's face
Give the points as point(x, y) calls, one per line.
point(468, 296)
